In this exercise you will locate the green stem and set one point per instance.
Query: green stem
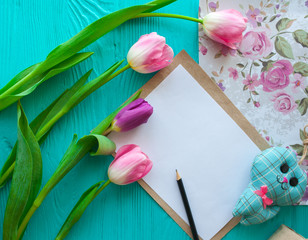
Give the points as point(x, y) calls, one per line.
point(7, 173)
point(252, 100)
point(42, 131)
point(244, 67)
point(67, 227)
point(101, 188)
point(169, 16)
point(251, 68)
point(118, 72)
point(18, 84)
point(279, 34)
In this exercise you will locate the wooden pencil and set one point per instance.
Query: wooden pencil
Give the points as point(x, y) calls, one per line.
point(187, 207)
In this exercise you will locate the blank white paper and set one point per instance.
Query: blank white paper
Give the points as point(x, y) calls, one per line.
point(190, 132)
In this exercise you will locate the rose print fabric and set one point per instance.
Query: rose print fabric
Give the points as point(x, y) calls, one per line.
point(267, 76)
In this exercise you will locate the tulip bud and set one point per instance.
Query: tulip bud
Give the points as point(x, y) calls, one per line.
point(129, 165)
point(131, 116)
point(225, 27)
point(149, 54)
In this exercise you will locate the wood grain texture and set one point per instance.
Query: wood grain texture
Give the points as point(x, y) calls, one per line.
point(29, 30)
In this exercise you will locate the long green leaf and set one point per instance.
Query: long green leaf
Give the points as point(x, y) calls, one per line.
point(27, 81)
point(44, 122)
point(18, 77)
point(91, 86)
point(59, 68)
point(33, 83)
point(35, 125)
point(5, 174)
point(78, 210)
point(58, 108)
point(26, 178)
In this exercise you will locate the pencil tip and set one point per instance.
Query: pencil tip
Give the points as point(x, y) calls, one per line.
point(178, 177)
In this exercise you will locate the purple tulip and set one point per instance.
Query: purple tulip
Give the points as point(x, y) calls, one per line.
point(133, 115)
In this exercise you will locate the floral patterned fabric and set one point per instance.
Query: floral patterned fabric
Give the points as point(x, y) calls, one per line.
point(267, 76)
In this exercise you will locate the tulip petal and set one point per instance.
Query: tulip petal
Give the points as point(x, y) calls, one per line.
point(133, 115)
point(148, 47)
point(149, 54)
point(125, 149)
point(225, 27)
point(129, 165)
point(165, 59)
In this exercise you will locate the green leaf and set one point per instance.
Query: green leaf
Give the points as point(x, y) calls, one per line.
point(245, 87)
point(78, 210)
point(243, 74)
point(267, 65)
point(254, 93)
point(301, 37)
point(158, 4)
point(273, 18)
point(6, 172)
point(91, 86)
point(302, 106)
point(301, 67)
point(256, 64)
point(18, 77)
point(26, 180)
point(270, 55)
point(32, 84)
point(298, 148)
point(61, 67)
point(283, 47)
point(104, 146)
point(35, 125)
point(44, 122)
point(284, 24)
point(240, 65)
point(58, 109)
point(302, 135)
point(218, 55)
point(249, 99)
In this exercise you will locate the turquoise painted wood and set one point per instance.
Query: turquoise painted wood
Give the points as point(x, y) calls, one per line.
point(30, 29)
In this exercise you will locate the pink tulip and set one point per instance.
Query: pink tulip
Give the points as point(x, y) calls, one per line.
point(225, 27)
point(129, 165)
point(150, 54)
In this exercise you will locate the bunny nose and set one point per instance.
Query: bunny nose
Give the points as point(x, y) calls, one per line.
point(285, 180)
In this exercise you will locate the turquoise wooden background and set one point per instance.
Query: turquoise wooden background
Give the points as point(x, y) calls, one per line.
point(29, 30)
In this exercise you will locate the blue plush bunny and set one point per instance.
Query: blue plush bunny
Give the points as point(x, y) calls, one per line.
point(276, 180)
